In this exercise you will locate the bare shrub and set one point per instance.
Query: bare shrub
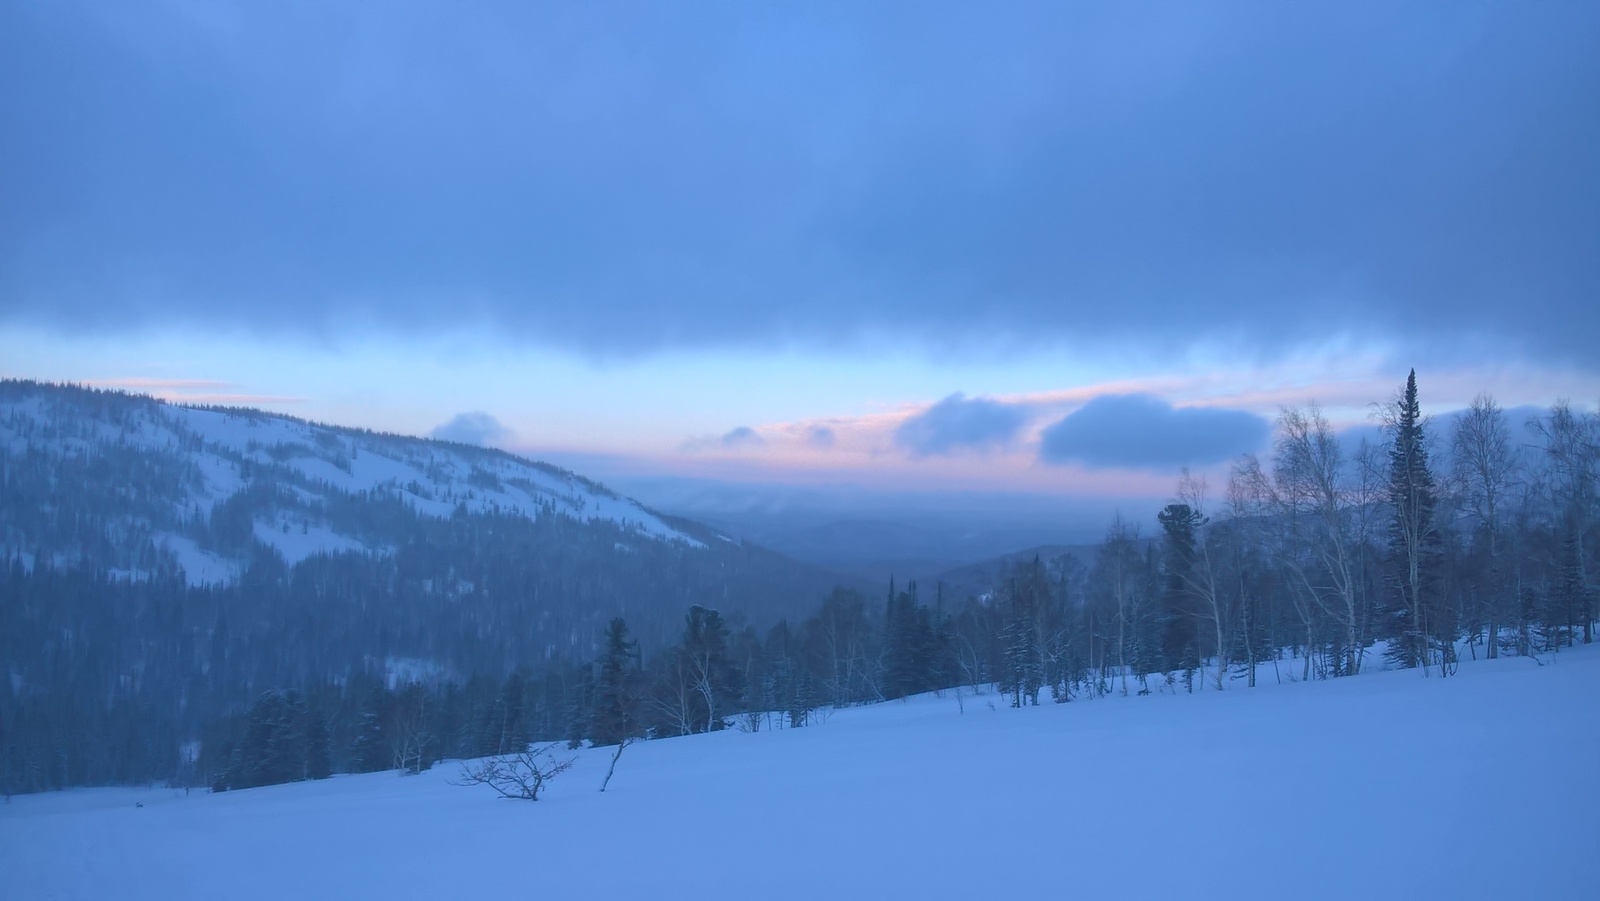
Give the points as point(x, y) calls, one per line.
point(522, 775)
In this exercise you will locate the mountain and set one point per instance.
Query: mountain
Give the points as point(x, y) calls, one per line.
point(877, 550)
point(160, 565)
point(139, 489)
point(203, 489)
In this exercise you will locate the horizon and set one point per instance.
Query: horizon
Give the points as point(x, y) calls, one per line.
point(921, 269)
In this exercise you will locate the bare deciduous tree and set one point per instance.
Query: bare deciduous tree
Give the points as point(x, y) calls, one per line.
point(1485, 467)
point(1202, 577)
point(521, 775)
point(616, 756)
point(1571, 444)
point(1322, 527)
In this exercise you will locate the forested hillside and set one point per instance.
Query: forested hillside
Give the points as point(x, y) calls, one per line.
point(163, 566)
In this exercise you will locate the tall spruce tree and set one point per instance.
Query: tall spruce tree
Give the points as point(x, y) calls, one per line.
point(1180, 626)
point(615, 715)
point(1028, 594)
point(1415, 546)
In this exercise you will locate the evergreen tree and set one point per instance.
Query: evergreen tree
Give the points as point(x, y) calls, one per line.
point(903, 640)
point(1180, 627)
point(1414, 542)
point(318, 748)
point(508, 720)
point(614, 716)
point(1026, 597)
point(716, 683)
point(371, 747)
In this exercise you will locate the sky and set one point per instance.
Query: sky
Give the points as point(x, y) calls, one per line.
point(946, 250)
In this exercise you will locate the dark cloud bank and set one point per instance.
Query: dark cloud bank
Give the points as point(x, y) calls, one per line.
point(712, 174)
point(1141, 431)
point(958, 423)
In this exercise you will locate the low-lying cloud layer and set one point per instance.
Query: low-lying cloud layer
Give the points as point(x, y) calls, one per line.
point(958, 423)
point(1141, 431)
point(743, 436)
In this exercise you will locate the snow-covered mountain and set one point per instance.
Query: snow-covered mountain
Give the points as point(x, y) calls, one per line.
point(161, 566)
point(304, 551)
point(165, 469)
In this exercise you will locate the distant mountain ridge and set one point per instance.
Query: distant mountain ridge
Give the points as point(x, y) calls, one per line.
point(193, 459)
point(139, 489)
point(161, 567)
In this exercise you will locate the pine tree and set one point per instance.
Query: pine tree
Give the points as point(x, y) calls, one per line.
point(1180, 628)
point(318, 748)
point(614, 716)
point(371, 747)
point(904, 639)
point(1023, 669)
point(508, 731)
point(1414, 540)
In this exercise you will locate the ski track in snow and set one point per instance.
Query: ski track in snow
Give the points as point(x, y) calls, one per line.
point(1387, 785)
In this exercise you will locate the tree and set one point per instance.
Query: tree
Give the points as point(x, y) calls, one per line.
point(1571, 441)
point(1485, 468)
point(615, 714)
point(1200, 570)
point(507, 730)
point(521, 776)
point(408, 731)
point(917, 647)
point(838, 639)
point(1115, 586)
point(1320, 542)
point(1414, 540)
point(283, 741)
point(1027, 596)
point(319, 748)
point(715, 682)
point(371, 747)
point(1180, 638)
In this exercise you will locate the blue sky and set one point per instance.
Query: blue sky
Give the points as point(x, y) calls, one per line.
point(1040, 248)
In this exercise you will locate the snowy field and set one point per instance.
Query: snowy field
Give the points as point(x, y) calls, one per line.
point(1486, 785)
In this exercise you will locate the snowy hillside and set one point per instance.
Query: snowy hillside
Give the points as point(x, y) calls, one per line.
point(1388, 785)
point(207, 456)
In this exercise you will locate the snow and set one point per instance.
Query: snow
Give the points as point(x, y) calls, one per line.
point(200, 566)
point(435, 478)
point(1387, 785)
point(369, 461)
point(302, 540)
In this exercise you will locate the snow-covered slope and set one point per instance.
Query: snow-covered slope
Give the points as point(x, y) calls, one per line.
point(204, 457)
point(1388, 785)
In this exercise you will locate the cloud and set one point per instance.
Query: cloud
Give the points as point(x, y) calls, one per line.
point(1141, 431)
point(1090, 175)
point(733, 439)
point(820, 436)
point(958, 423)
point(474, 428)
point(743, 436)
